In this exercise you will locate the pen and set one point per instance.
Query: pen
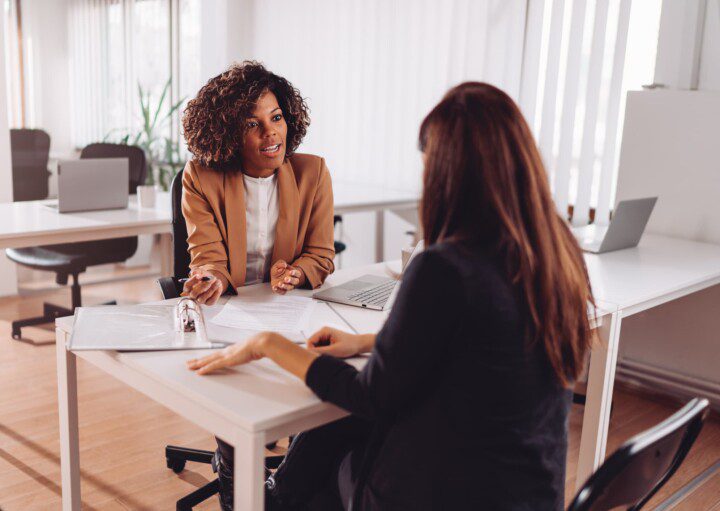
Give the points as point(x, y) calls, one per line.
point(204, 279)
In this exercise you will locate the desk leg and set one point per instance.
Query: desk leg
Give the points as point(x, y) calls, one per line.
point(68, 412)
point(380, 236)
point(166, 254)
point(601, 380)
point(249, 471)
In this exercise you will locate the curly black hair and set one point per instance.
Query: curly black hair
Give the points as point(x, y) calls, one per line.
point(214, 121)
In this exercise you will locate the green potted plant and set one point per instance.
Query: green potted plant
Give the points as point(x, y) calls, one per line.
point(163, 155)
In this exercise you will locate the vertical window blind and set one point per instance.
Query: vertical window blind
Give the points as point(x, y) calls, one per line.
point(572, 87)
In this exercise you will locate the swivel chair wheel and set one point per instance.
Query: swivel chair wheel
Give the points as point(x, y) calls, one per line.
point(175, 465)
point(16, 334)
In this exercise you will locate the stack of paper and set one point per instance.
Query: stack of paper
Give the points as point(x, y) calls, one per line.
point(289, 315)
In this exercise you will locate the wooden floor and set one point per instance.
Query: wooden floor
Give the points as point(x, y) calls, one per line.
point(122, 433)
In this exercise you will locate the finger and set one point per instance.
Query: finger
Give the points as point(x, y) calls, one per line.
point(196, 363)
point(293, 281)
point(321, 336)
point(280, 267)
point(214, 366)
point(209, 293)
point(214, 297)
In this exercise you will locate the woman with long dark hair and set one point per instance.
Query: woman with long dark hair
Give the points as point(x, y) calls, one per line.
point(464, 401)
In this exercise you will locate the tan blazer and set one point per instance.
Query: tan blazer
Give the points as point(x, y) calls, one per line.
point(213, 204)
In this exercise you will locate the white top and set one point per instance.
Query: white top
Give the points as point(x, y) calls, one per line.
point(261, 215)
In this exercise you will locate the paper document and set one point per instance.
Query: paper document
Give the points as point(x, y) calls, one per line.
point(275, 313)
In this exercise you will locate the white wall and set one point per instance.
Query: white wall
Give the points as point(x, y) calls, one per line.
point(370, 71)
point(673, 151)
point(8, 278)
point(709, 72)
point(47, 80)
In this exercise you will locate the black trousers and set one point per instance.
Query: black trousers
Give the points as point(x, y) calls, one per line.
point(318, 472)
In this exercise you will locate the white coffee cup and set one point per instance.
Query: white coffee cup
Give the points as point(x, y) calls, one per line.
point(146, 196)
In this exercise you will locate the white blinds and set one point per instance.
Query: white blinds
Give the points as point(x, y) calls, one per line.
point(577, 60)
point(372, 69)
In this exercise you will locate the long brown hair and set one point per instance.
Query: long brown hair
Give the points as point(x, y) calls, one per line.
point(485, 181)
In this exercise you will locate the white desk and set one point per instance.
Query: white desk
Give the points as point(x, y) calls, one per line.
point(659, 270)
point(251, 406)
point(32, 223)
point(353, 198)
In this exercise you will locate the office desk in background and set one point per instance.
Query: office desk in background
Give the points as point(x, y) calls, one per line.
point(33, 223)
point(658, 270)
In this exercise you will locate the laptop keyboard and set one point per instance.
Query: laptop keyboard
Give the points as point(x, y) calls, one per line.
point(376, 295)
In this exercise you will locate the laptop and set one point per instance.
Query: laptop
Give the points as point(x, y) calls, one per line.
point(91, 184)
point(369, 291)
point(624, 231)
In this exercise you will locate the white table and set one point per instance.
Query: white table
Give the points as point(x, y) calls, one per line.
point(33, 223)
point(353, 198)
point(254, 405)
point(249, 408)
point(659, 270)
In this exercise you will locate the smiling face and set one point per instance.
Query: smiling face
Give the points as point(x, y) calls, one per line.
point(265, 138)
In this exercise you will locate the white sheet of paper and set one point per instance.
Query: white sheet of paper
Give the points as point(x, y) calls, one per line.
point(275, 313)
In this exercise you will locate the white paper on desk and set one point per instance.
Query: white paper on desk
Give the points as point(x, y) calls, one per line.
point(275, 313)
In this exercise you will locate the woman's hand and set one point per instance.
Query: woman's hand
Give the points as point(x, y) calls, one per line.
point(205, 291)
point(330, 341)
point(285, 353)
point(233, 355)
point(284, 278)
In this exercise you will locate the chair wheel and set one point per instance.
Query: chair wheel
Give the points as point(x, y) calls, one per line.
point(176, 466)
point(16, 334)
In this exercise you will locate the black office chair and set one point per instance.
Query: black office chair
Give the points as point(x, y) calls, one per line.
point(642, 465)
point(175, 456)
point(29, 150)
point(71, 259)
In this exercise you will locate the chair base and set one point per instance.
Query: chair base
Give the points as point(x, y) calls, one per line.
point(176, 457)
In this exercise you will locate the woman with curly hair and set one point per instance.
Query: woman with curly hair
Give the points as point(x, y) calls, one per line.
point(255, 210)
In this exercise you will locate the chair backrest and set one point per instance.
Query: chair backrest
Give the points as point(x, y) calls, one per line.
point(135, 154)
point(641, 466)
point(181, 257)
point(30, 151)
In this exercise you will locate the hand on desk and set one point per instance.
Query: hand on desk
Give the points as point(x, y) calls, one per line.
point(339, 344)
point(205, 286)
point(284, 278)
point(285, 353)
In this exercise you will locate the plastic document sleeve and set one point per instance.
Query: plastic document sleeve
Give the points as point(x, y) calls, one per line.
point(140, 328)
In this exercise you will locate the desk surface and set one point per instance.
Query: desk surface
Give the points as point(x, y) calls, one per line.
point(25, 224)
point(657, 270)
point(256, 396)
point(32, 223)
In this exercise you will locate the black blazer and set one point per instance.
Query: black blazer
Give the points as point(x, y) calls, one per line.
point(467, 414)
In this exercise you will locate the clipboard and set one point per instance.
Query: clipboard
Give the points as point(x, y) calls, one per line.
point(179, 326)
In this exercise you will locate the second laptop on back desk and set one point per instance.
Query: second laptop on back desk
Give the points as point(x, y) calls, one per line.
point(92, 184)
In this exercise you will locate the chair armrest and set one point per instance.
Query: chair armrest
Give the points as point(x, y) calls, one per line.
point(169, 287)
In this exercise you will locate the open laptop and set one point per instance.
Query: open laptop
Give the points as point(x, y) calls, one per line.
point(368, 291)
point(91, 184)
point(624, 231)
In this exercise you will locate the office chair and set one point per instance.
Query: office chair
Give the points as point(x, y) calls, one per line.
point(171, 287)
point(642, 465)
point(71, 259)
point(30, 151)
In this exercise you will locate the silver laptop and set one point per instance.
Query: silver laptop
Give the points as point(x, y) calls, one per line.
point(91, 184)
point(368, 291)
point(624, 231)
